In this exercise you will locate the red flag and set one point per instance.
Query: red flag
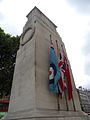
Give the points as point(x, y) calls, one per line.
point(61, 81)
point(68, 78)
point(69, 84)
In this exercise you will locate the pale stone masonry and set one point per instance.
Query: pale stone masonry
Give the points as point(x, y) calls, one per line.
point(30, 96)
point(84, 96)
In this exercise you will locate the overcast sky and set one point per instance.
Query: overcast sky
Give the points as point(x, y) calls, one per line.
point(72, 18)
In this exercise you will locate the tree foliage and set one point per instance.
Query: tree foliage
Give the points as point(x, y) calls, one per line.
point(8, 49)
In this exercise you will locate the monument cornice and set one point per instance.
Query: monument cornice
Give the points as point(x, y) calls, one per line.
point(39, 12)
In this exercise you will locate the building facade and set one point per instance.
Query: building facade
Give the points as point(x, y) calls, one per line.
point(84, 96)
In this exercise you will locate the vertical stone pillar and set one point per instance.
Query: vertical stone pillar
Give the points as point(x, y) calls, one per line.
point(30, 96)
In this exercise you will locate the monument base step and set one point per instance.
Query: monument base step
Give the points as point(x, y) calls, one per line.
point(47, 115)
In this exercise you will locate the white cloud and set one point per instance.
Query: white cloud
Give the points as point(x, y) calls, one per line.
point(82, 6)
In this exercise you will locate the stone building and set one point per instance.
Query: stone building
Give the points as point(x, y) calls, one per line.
point(84, 96)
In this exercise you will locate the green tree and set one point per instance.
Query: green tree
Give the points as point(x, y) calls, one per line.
point(8, 49)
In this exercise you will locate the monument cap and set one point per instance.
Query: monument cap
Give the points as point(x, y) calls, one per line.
point(35, 12)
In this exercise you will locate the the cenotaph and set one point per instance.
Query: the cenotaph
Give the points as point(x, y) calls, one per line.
point(30, 96)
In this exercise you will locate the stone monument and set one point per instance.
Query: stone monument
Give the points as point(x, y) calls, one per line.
point(30, 96)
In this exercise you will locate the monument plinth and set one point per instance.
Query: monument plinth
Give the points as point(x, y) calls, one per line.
point(30, 96)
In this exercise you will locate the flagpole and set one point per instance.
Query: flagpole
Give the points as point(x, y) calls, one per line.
point(66, 99)
point(57, 95)
point(58, 102)
point(72, 98)
point(58, 88)
point(73, 103)
point(65, 88)
point(51, 39)
point(65, 93)
point(70, 76)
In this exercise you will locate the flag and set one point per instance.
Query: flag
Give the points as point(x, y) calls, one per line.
point(65, 73)
point(62, 84)
point(54, 72)
point(68, 77)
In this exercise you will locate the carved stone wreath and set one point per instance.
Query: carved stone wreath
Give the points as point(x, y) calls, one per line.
point(27, 34)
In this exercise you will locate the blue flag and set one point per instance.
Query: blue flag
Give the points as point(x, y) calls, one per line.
point(54, 73)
